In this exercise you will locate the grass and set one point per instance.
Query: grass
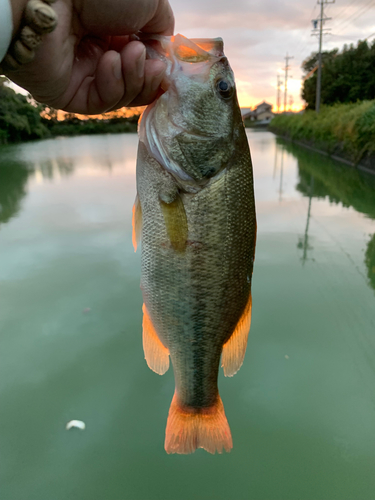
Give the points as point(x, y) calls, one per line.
point(346, 130)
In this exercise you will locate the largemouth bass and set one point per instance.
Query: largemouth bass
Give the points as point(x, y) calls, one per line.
point(195, 215)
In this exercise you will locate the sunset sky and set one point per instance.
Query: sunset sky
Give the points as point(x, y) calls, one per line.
point(258, 33)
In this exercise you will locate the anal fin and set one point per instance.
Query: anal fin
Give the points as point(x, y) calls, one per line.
point(137, 223)
point(234, 349)
point(156, 354)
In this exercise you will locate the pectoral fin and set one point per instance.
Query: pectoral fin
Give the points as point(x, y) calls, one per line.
point(156, 354)
point(175, 222)
point(234, 349)
point(137, 223)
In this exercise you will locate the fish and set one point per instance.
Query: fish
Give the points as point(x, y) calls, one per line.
point(194, 215)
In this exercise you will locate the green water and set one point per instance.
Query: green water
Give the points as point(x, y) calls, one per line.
point(302, 407)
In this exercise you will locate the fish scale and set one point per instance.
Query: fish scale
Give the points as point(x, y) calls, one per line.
point(198, 242)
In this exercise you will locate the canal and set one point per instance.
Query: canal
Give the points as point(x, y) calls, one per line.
point(302, 407)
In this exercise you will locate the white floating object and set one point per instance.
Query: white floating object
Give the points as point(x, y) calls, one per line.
point(286, 356)
point(77, 424)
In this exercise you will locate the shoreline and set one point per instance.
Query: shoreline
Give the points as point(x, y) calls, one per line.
point(359, 166)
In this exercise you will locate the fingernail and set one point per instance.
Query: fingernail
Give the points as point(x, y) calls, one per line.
point(116, 67)
point(140, 64)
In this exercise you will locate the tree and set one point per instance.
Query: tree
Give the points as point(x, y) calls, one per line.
point(347, 76)
point(19, 120)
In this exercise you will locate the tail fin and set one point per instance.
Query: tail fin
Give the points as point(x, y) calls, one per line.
point(192, 428)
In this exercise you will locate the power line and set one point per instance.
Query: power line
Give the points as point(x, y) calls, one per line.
point(359, 13)
point(323, 18)
point(298, 49)
point(354, 37)
point(343, 10)
point(342, 19)
point(302, 46)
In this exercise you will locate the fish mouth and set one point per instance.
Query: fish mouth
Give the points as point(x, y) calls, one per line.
point(161, 44)
point(177, 49)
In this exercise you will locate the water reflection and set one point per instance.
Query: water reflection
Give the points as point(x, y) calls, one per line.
point(321, 177)
point(340, 183)
point(276, 166)
point(13, 181)
point(14, 177)
point(303, 242)
point(301, 412)
point(370, 261)
point(52, 160)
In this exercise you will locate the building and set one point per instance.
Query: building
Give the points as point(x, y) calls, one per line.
point(261, 114)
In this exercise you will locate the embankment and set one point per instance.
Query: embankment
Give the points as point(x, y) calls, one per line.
point(344, 131)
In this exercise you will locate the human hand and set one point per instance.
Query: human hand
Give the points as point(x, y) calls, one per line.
point(90, 64)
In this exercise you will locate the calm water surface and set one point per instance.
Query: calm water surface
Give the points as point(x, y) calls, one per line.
point(301, 409)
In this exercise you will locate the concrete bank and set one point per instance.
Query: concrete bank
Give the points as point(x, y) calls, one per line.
point(366, 165)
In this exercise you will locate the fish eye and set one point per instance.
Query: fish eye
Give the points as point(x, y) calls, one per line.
point(225, 89)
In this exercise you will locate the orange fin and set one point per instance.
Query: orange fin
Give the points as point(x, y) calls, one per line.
point(137, 223)
point(176, 223)
point(192, 428)
point(157, 356)
point(214, 46)
point(188, 51)
point(234, 349)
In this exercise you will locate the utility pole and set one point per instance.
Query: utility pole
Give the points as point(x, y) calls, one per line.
point(321, 32)
point(287, 68)
point(291, 102)
point(278, 100)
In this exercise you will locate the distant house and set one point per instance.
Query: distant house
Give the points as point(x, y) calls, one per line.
point(263, 113)
point(260, 115)
point(246, 113)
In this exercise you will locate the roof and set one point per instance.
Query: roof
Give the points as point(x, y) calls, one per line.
point(264, 103)
point(245, 111)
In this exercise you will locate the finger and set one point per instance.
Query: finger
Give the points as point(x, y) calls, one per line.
point(133, 58)
point(124, 18)
point(100, 92)
point(154, 74)
point(117, 43)
point(162, 21)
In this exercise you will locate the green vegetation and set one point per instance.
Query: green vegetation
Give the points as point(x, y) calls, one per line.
point(22, 119)
point(347, 76)
point(345, 126)
point(346, 130)
point(74, 126)
point(370, 261)
point(14, 176)
point(19, 119)
point(334, 180)
point(322, 177)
